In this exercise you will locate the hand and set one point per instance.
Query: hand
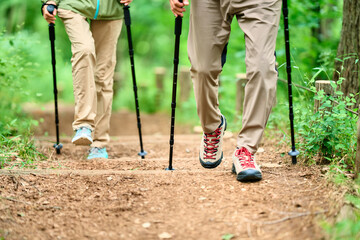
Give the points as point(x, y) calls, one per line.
point(50, 18)
point(126, 2)
point(178, 8)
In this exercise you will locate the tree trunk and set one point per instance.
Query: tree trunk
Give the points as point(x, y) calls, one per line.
point(349, 47)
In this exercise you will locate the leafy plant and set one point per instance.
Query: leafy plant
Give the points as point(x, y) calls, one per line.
point(227, 236)
point(347, 228)
point(15, 126)
point(328, 135)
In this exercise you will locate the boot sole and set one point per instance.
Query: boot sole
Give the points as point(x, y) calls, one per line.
point(82, 141)
point(209, 164)
point(249, 175)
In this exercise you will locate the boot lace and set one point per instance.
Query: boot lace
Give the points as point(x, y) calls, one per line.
point(211, 144)
point(246, 159)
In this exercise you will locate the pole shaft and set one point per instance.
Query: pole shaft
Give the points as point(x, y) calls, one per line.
point(288, 70)
point(53, 62)
point(132, 62)
point(178, 25)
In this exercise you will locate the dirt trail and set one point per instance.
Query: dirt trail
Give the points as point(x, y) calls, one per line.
point(125, 197)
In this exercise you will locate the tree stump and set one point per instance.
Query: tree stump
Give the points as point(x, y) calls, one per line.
point(240, 92)
point(118, 82)
point(324, 85)
point(185, 84)
point(159, 81)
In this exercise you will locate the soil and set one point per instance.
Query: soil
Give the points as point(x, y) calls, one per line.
point(126, 197)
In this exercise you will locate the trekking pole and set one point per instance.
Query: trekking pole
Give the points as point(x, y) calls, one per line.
point(293, 153)
point(57, 145)
point(142, 153)
point(178, 24)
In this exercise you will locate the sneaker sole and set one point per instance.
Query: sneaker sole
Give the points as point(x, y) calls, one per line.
point(97, 158)
point(250, 175)
point(209, 164)
point(82, 141)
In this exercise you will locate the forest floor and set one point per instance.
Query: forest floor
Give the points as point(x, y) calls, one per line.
point(126, 197)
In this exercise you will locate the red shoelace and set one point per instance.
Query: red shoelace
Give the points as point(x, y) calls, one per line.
point(246, 159)
point(211, 144)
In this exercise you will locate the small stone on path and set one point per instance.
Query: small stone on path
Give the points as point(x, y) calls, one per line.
point(197, 129)
point(165, 235)
point(146, 225)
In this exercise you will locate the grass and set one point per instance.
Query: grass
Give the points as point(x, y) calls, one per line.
point(17, 148)
point(18, 151)
point(346, 227)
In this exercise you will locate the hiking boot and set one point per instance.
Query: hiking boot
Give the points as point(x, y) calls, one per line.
point(82, 136)
point(245, 167)
point(96, 152)
point(211, 146)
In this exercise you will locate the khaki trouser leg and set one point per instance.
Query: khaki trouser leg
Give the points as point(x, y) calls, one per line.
point(83, 65)
point(209, 31)
point(93, 64)
point(207, 37)
point(260, 25)
point(106, 34)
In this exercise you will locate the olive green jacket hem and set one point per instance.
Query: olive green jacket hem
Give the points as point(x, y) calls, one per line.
point(93, 9)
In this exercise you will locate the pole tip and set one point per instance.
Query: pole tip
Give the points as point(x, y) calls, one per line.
point(293, 154)
point(142, 154)
point(58, 147)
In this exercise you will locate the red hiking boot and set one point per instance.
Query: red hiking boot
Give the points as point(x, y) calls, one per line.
point(211, 153)
point(245, 167)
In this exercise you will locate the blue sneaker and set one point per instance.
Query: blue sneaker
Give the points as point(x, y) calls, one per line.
point(96, 152)
point(82, 136)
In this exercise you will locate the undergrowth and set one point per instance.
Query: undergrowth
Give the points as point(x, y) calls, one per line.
point(17, 147)
point(347, 225)
point(328, 136)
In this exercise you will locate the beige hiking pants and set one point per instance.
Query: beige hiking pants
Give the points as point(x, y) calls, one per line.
point(93, 62)
point(209, 32)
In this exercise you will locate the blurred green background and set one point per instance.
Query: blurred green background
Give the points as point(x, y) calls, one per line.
point(26, 61)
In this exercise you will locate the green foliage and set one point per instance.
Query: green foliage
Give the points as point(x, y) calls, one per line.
point(18, 151)
point(14, 73)
point(153, 39)
point(329, 135)
point(347, 228)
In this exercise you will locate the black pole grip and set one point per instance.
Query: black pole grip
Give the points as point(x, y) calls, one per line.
point(127, 15)
point(178, 23)
point(51, 32)
point(50, 8)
